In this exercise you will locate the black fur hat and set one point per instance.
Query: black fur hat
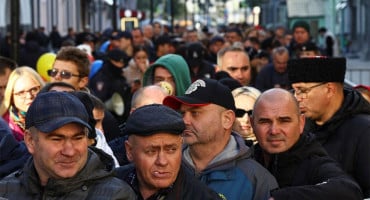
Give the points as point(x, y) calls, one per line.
point(317, 69)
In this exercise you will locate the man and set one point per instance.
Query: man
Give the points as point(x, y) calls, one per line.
point(163, 46)
point(110, 82)
point(235, 61)
point(233, 35)
point(72, 66)
point(6, 67)
point(62, 166)
point(301, 36)
point(214, 154)
point(299, 163)
point(195, 57)
point(151, 94)
point(154, 146)
point(329, 45)
point(275, 74)
point(170, 68)
point(338, 116)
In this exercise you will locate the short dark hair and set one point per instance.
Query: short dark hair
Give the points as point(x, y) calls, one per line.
point(77, 56)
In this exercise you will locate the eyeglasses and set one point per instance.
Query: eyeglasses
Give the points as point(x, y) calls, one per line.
point(33, 91)
point(63, 74)
point(303, 92)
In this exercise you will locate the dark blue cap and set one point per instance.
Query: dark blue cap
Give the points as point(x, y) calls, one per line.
point(154, 118)
point(52, 110)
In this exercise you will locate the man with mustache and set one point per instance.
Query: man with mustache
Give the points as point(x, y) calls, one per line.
point(337, 115)
point(154, 147)
point(299, 163)
point(62, 165)
point(214, 153)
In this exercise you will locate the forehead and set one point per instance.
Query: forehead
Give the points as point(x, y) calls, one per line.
point(65, 65)
point(235, 58)
point(300, 30)
point(158, 139)
point(24, 82)
point(161, 71)
point(67, 130)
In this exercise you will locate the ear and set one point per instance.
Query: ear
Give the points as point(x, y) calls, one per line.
point(228, 118)
point(29, 141)
point(83, 82)
point(128, 147)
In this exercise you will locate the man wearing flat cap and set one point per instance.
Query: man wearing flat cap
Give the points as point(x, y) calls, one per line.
point(214, 154)
point(154, 147)
point(337, 115)
point(62, 166)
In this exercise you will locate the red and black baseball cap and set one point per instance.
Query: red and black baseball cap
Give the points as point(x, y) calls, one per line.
point(203, 92)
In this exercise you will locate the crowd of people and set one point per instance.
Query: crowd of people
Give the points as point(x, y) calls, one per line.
point(153, 113)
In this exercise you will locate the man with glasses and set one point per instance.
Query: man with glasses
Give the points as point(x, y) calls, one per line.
point(337, 115)
point(71, 66)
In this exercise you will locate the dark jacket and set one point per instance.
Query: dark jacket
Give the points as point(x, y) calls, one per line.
point(109, 80)
point(186, 186)
point(269, 78)
point(13, 154)
point(306, 172)
point(346, 137)
point(94, 181)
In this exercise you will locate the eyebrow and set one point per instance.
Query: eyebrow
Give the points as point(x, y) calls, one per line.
point(55, 134)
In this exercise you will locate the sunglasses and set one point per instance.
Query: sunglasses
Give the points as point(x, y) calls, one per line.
point(63, 74)
point(241, 112)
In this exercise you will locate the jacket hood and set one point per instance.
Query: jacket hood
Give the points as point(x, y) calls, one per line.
point(177, 66)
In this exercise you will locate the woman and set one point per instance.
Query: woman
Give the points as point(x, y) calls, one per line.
point(245, 97)
point(136, 67)
point(23, 85)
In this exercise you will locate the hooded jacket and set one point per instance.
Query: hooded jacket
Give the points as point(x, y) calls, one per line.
point(233, 174)
point(177, 66)
point(94, 181)
point(305, 171)
point(346, 137)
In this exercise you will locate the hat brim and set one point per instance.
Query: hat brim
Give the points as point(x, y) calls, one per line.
point(176, 102)
point(50, 126)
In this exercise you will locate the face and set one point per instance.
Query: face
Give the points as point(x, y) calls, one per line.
point(232, 37)
point(204, 124)
point(24, 92)
point(157, 159)
point(277, 125)
point(60, 154)
point(215, 47)
point(162, 74)
point(238, 66)
point(124, 43)
point(280, 62)
point(141, 58)
point(3, 82)
point(243, 125)
point(192, 36)
point(75, 81)
point(300, 35)
point(312, 99)
point(98, 116)
point(137, 37)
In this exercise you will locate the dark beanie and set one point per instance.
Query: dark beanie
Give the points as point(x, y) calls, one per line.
point(317, 70)
point(302, 24)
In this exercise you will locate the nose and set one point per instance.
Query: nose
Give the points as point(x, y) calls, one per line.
point(68, 149)
point(274, 129)
point(161, 159)
point(186, 118)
